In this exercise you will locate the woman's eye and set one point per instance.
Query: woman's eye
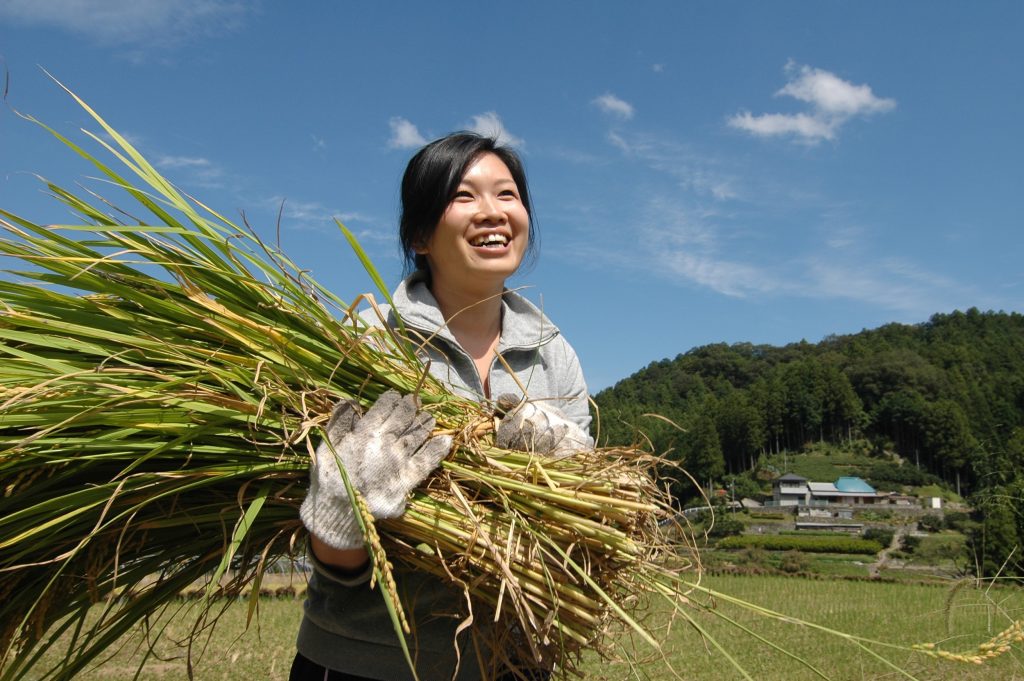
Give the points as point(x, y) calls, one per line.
point(463, 194)
point(508, 193)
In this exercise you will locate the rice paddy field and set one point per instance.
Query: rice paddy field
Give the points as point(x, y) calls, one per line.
point(898, 613)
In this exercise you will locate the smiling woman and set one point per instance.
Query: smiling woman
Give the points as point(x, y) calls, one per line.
point(465, 229)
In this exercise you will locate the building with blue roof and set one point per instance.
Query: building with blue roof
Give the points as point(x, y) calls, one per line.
point(792, 490)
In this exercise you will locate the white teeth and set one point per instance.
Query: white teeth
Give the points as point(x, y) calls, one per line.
point(493, 239)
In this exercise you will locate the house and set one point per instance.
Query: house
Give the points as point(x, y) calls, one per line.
point(793, 490)
point(849, 490)
point(789, 490)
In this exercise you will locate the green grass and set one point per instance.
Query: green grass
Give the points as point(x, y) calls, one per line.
point(820, 467)
point(936, 491)
point(764, 517)
point(232, 652)
point(825, 565)
point(900, 613)
point(838, 565)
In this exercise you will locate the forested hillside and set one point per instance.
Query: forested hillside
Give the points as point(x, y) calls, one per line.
point(947, 396)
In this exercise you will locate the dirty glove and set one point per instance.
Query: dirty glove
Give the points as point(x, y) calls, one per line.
point(538, 427)
point(386, 453)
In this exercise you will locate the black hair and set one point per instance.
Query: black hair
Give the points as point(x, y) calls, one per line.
point(431, 180)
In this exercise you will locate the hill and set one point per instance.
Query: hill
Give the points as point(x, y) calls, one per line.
point(946, 397)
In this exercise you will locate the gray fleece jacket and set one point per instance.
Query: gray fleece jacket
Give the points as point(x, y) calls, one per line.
point(345, 625)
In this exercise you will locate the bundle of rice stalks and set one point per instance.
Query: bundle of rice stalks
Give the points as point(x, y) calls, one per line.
point(163, 383)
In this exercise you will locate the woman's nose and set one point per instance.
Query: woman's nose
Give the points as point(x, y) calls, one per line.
point(488, 208)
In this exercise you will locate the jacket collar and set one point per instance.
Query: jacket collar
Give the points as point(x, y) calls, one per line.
point(523, 325)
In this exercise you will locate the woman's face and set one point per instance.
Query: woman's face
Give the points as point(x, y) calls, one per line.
point(482, 236)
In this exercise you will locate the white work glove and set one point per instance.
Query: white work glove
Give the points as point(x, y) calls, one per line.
point(538, 427)
point(386, 453)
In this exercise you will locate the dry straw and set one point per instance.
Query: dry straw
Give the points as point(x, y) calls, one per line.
point(163, 382)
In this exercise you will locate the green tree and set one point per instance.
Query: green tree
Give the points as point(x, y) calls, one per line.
point(843, 414)
point(803, 410)
point(996, 543)
point(768, 397)
point(947, 436)
point(740, 429)
point(703, 450)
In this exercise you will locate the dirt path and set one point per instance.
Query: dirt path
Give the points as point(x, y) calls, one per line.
point(883, 555)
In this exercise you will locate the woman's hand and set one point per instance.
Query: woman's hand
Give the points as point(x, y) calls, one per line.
point(538, 427)
point(386, 453)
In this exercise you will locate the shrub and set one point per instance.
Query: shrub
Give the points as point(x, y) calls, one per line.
point(794, 562)
point(767, 515)
point(930, 523)
point(910, 543)
point(725, 526)
point(837, 544)
point(754, 555)
point(956, 520)
point(938, 549)
point(700, 517)
point(744, 486)
point(893, 476)
point(882, 535)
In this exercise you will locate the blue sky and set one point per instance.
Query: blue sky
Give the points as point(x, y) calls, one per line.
point(702, 172)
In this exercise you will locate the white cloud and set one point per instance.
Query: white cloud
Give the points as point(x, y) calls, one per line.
point(620, 142)
point(141, 23)
point(890, 283)
point(802, 125)
point(658, 68)
point(354, 217)
point(183, 162)
point(844, 238)
point(313, 215)
point(301, 211)
point(319, 143)
point(610, 104)
point(578, 156)
point(404, 134)
point(733, 255)
point(694, 172)
point(681, 244)
point(831, 94)
point(734, 279)
point(833, 102)
point(490, 124)
point(694, 252)
point(705, 267)
point(194, 169)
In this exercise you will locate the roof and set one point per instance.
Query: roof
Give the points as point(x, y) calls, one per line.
point(854, 484)
point(828, 489)
point(790, 477)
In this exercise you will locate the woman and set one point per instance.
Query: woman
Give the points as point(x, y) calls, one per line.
point(465, 228)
